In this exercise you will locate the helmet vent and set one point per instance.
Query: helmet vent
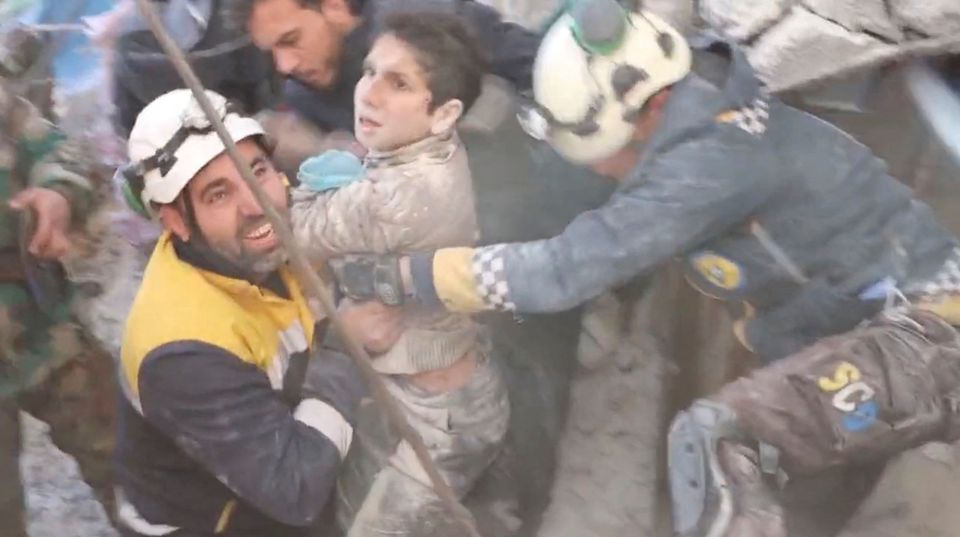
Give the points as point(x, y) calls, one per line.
point(665, 41)
point(625, 78)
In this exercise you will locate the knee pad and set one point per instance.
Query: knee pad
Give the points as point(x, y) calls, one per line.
point(699, 489)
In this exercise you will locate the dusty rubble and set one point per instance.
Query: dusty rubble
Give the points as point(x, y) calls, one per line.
point(536, 13)
point(606, 482)
point(798, 45)
point(59, 503)
point(794, 41)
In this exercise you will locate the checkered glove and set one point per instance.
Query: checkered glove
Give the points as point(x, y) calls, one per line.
point(491, 278)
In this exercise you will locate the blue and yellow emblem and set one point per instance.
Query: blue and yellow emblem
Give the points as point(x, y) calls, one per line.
point(718, 270)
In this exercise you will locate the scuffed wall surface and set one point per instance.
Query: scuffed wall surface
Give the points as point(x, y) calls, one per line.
point(794, 41)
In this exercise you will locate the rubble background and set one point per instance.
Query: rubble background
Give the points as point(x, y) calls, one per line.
point(59, 503)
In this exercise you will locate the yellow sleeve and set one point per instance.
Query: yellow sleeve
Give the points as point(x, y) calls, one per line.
point(454, 280)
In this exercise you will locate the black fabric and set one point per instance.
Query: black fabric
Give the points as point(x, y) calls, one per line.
point(333, 377)
point(293, 380)
point(142, 72)
point(203, 257)
point(421, 272)
point(207, 414)
point(815, 310)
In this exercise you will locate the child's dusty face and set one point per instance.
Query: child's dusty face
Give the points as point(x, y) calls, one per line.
point(391, 101)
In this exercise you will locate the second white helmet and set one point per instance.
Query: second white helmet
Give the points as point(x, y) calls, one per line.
point(597, 66)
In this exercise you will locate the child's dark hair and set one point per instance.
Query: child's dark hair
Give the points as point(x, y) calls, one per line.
point(447, 51)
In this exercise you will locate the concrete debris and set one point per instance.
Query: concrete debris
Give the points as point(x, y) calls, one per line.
point(608, 455)
point(531, 14)
point(934, 18)
point(681, 15)
point(804, 45)
point(535, 13)
point(59, 503)
point(600, 333)
point(858, 15)
point(606, 481)
point(743, 19)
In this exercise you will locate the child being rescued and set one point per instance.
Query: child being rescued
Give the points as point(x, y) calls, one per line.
point(412, 192)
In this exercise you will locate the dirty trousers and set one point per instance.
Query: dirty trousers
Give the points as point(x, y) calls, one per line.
point(857, 397)
point(71, 386)
point(866, 402)
point(383, 491)
point(80, 412)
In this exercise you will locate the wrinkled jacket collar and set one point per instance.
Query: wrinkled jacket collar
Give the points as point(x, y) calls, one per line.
point(431, 150)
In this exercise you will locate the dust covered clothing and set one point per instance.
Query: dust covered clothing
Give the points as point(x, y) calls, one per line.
point(413, 198)
point(728, 165)
point(48, 366)
point(212, 437)
point(383, 490)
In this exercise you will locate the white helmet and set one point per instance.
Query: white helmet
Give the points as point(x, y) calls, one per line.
point(172, 140)
point(595, 69)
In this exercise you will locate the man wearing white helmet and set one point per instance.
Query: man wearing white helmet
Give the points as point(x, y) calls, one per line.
point(234, 421)
point(844, 284)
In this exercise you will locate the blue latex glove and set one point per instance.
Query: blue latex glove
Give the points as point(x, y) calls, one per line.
point(330, 170)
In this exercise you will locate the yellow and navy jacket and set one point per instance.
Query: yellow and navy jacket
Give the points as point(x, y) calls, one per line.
point(795, 224)
point(210, 439)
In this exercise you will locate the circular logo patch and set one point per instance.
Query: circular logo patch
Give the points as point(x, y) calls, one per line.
point(718, 270)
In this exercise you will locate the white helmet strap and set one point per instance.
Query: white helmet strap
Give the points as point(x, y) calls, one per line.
point(538, 122)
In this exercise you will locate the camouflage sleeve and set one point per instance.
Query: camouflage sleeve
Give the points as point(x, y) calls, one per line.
point(53, 160)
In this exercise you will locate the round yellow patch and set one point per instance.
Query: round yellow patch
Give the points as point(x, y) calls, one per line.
point(718, 270)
